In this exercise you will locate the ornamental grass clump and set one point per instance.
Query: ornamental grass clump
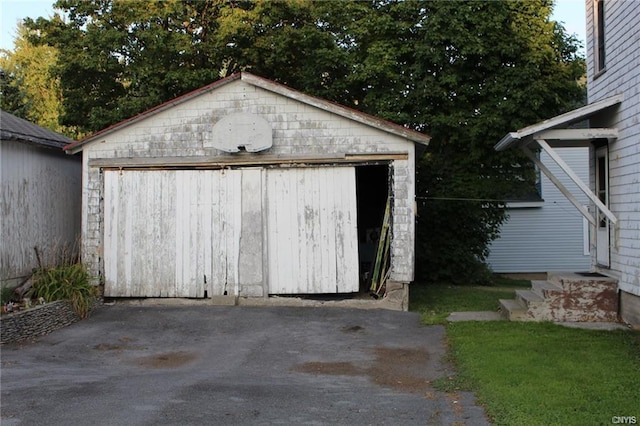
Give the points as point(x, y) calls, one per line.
point(69, 282)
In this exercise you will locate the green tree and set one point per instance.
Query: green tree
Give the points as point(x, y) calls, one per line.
point(481, 69)
point(286, 41)
point(118, 58)
point(10, 95)
point(464, 72)
point(30, 89)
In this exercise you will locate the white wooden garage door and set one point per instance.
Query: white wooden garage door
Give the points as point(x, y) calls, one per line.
point(171, 233)
point(312, 222)
point(181, 233)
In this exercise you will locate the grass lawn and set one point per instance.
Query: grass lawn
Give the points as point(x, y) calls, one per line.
point(535, 373)
point(436, 301)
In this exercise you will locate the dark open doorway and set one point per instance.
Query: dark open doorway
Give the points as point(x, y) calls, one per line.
point(372, 190)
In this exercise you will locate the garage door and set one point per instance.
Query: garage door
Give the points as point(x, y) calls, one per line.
point(171, 233)
point(312, 222)
point(199, 233)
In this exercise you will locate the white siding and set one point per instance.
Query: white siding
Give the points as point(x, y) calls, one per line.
point(621, 76)
point(40, 192)
point(547, 238)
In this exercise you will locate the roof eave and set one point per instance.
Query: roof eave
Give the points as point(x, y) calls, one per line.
point(525, 134)
point(75, 147)
point(507, 141)
point(32, 140)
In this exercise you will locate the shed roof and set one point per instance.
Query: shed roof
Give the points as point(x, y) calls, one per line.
point(272, 86)
point(18, 129)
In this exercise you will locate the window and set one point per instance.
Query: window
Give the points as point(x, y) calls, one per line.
point(529, 193)
point(598, 36)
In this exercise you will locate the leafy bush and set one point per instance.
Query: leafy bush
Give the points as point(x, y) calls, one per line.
point(452, 241)
point(67, 282)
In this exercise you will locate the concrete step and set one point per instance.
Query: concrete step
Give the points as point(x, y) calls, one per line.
point(586, 297)
point(546, 289)
point(528, 298)
point(537, 306)
point(572, 280)
point(513, 310)
point(565, 297)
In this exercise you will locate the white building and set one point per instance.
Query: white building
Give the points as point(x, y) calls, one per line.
point(246, 188)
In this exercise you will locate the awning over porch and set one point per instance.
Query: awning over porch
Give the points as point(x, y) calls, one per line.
point(558, 132)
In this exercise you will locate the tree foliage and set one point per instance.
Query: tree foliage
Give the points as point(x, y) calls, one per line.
point(29, 87)
point(464, 72)
point(482, 69)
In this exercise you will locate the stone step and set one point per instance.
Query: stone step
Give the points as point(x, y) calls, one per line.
point(513, 310)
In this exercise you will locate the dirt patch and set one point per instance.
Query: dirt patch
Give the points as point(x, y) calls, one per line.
point(352, 329)
point(123, 344)
point(166, 360)
point(396, 368)
point(108, 347)
point(330, 368)
point(400, 368)
point(454, 400)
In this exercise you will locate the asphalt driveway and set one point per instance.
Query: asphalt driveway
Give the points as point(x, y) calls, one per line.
point(195, 365)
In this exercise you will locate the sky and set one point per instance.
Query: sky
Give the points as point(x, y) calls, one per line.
point(571, 12)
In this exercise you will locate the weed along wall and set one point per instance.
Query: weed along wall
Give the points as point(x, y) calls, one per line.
point(246, 188)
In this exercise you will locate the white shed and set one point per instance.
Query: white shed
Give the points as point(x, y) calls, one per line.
point(246, 188)
point(39, 198)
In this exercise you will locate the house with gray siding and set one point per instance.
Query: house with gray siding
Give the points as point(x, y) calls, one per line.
point(613, 139)
point(546, 234)
point(246, 188)
point(40, 193)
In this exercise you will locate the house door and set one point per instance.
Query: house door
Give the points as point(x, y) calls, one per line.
point(602, 189)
